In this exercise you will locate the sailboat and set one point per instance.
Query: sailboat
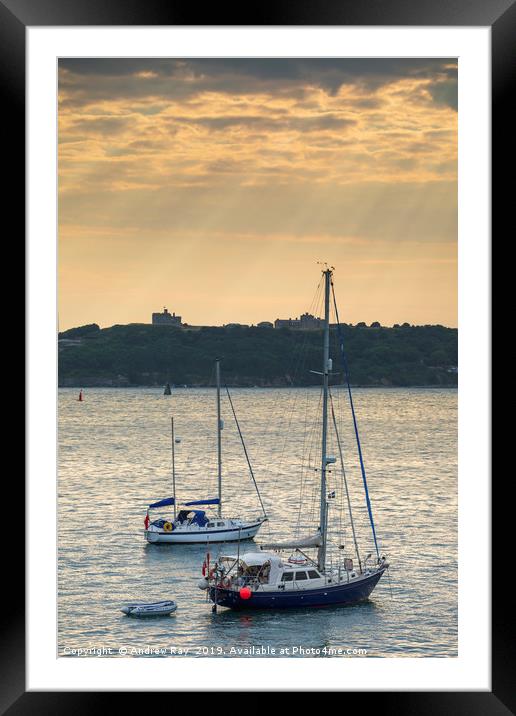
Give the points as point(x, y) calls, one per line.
point(264, 578)
point(189, 525)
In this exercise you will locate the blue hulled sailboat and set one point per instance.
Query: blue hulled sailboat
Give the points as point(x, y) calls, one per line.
point(266, 578)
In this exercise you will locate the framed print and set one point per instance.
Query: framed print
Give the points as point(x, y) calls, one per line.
point(258, 366)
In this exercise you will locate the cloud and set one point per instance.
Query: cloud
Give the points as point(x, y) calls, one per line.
point(251, 170)
point(87, 80)
point(445, 92)
point(281, 123)
point(293, 146)
point(99, 125)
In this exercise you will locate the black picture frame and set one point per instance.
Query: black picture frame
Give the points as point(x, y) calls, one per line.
point(500, 16)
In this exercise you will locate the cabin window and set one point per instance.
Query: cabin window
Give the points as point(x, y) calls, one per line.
point(313, 574)
point(210, 524)
point(300, 576)
point(220, 524)
point(287, 577)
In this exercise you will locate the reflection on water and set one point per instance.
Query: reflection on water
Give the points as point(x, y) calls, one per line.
point(114, 459)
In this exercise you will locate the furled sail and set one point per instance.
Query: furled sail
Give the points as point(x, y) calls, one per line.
point(163, 503)
point(209, 501)
point(313, 541)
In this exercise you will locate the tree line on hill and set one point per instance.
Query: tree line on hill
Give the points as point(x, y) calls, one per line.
point(142, 354)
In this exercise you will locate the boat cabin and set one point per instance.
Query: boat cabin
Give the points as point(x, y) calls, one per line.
point(252, 567)
point(262, 568)
point(218, 522)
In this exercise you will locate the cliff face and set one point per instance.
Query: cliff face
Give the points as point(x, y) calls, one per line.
point(140, 354)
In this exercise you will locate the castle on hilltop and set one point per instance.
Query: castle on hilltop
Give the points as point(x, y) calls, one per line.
point(305, 322)
point(166, 319)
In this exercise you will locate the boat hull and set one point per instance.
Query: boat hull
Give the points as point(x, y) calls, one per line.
point(334, 595)
point(203, 536)
point(155, 609)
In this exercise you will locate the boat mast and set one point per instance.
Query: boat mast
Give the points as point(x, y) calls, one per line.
point(321, 554)
point(173, 468)
point(219, 435)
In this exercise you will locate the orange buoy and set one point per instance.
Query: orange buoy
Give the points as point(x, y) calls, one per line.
point(245, 593)
point(80, 396)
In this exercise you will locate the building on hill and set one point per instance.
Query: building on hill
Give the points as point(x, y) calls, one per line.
point(305, 322)
point(166, 319)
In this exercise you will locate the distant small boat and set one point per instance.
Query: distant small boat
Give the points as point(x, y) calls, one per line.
point(167, 390)
point(155, 609)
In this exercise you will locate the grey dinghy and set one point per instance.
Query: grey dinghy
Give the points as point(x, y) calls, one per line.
point(155, 609)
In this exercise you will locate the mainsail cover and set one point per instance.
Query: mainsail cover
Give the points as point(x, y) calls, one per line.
point(209, 501)
point(163, 503)
point(312, 541)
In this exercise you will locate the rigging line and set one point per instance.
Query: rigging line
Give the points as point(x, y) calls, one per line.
point(345, 481)
point(342, 525)
point(302, 469)
point(306, 467)
point(208, 435)
point(355, 425)
point(312, 485)
point(298, 363)
point(297, 358)
point(288, 412)
point(306, 462)
point(296, 368)
point(245, 450)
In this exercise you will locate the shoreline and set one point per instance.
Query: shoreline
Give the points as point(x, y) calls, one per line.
point(258, 387)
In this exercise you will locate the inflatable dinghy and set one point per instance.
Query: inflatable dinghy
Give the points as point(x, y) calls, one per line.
point(156, 609)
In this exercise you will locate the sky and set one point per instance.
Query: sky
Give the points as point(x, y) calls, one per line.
point(214, 186)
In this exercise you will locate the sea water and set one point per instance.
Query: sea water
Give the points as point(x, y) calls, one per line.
point(115, 459)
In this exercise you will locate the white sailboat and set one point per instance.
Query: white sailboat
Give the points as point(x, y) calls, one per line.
point(264, 578)
point(192, 525)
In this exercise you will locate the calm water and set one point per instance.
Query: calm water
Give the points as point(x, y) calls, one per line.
point(114, 459)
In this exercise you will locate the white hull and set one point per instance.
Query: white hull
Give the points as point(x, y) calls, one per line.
point(202, 535)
